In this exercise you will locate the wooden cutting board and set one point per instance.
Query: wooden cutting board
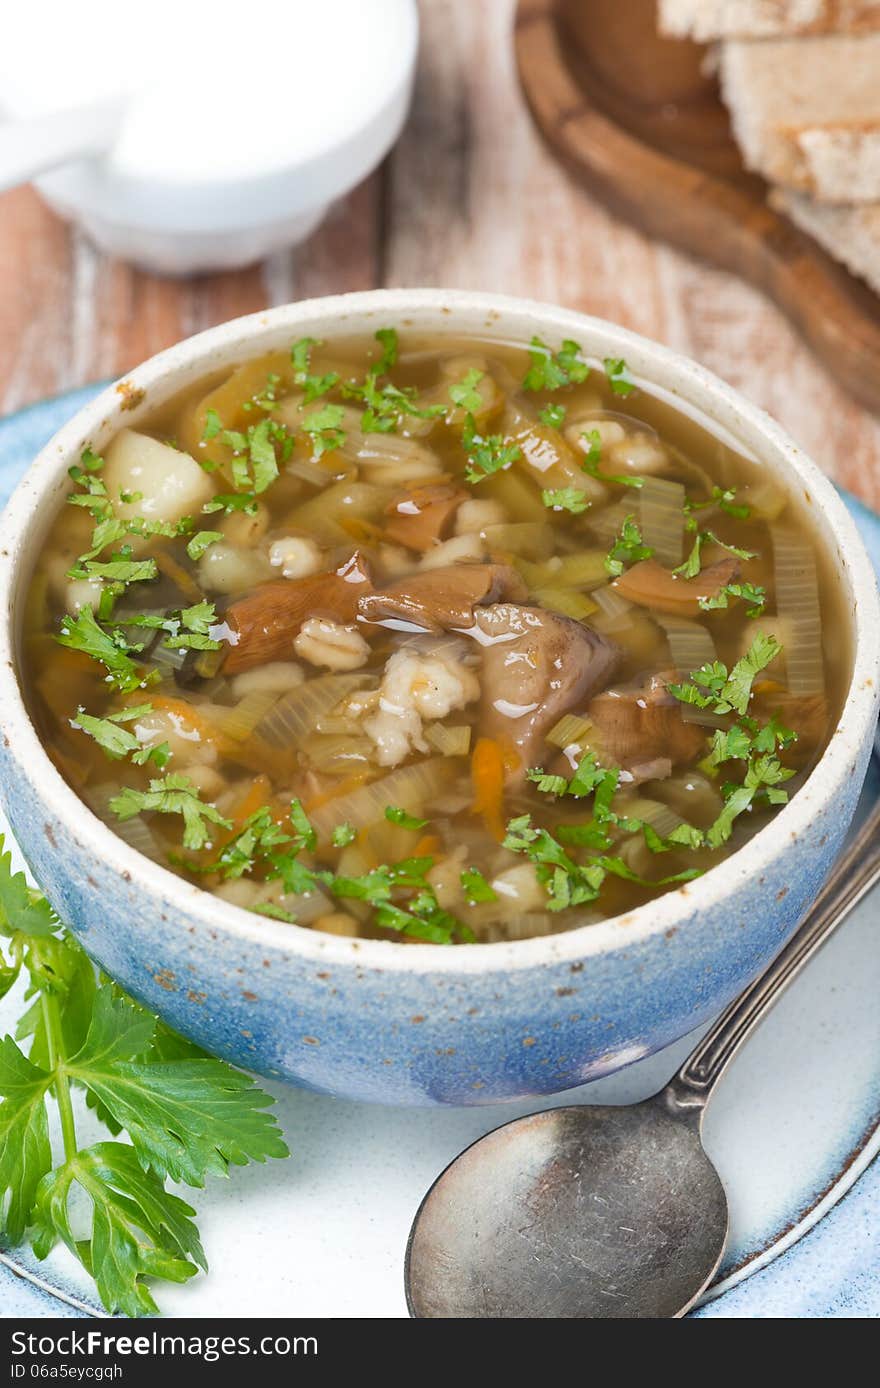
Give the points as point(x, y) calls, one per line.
point(639, 119)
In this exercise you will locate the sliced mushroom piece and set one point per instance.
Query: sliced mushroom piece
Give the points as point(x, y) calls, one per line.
point(422, 516)
point(637, 724)
point(263, 625)
point(536, 667)
point(650, 585)
point(441, 599)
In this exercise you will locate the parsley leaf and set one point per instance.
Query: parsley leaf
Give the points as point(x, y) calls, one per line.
point(313, 386)
point(566, 499)
point(213, 425)
point(485, 454)
point(201, 541)
point(752, 593)
point(691, 566)
point(628, 548)
point(82, 633)
point(724, 498)
point(553, 416)
point(254, 460)
point(551, 371)
point(187, 1115)
point(117, 741)
point(138, 1229)
point(618, 376)
point(187, 1119)
point(475, 886)
point(387, 339)
point(323, 428)
point(593, 458)
point(172, 794)
point(406, 821)
point(464, 392)
point(25, 1153)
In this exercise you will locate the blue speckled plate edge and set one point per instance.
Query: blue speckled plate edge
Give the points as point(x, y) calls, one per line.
point(825, 1265)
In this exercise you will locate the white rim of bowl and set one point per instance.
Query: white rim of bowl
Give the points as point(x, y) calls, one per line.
point(241, 338)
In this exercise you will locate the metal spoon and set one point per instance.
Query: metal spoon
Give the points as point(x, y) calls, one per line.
point(605, 1212)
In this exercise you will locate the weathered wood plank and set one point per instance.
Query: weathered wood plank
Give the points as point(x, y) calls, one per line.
point(476, 200)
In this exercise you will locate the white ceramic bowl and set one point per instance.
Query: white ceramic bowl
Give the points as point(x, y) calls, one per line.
point(418, 1024)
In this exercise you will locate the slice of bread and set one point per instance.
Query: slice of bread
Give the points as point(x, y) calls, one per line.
point(850, 234)
point(806, 112)
point(707, 20)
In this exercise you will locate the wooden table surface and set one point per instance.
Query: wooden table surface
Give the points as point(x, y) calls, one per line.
point(469, 199)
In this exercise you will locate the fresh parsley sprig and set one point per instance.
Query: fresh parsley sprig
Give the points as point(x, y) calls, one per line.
point(187, 1116)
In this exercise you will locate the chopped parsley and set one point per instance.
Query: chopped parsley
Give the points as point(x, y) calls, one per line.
point(119, 568)
point(593, 458)
point(232, 501)
point(387, 340)
point(551, 370)
point(691, 566)
point(465, 394)
point(172, 794)
point(117, 741)
point(82, 633)
point(553, 415)
point(628, 548)
point(714, 687)
point(323, 426)
point(386, 404)
point(202, 541)
point(566, 499)
point(619, 379)
point(406, 821)
point(752, 593)
point(312, 386)
point(254, 457)
point(213, 425)
point(724, 498)
point(343, 835)
point(475, 886)
point(485, 454)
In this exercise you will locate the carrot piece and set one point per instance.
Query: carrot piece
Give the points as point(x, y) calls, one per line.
point(188, 713)
point(487, 772)
point(253, 799)
point(427, 847)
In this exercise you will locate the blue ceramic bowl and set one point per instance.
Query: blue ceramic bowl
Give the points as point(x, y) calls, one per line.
point(416, 1024)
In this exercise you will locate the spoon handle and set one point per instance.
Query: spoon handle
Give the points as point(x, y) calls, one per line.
point(854, 875)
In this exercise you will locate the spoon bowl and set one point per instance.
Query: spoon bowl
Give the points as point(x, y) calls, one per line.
point(580, 1212)
point(599, 1212)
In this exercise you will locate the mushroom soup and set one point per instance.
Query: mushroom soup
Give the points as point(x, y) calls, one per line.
point(432, 640)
